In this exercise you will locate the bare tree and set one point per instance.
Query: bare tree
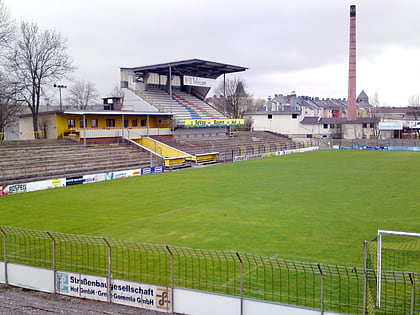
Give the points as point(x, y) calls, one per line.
point(234, 96)
point(82, 94)
point(414, 100)
point(116, 91)
point(8, 105)
point(338, 131)
point(7, 26)
point(38, 58)
point(374, 101)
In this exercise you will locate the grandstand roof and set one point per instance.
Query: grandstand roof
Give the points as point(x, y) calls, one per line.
point(100, 112)
point(115, 112)
point(192, 67)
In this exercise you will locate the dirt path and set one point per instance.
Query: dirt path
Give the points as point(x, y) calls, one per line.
point(21, 301)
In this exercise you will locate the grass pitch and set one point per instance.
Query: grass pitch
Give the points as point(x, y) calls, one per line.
point(318, 206)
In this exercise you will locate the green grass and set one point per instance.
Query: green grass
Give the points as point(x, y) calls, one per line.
point(317, 207)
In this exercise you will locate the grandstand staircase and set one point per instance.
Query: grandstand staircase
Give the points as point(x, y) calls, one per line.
point(185, 106)
point(173, 158)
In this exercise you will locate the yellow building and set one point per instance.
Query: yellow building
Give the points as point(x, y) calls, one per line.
point(96, 126)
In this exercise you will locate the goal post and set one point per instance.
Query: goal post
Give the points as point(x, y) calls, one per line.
point(402, 243)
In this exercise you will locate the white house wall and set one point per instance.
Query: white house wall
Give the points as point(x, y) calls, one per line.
point(284, 124)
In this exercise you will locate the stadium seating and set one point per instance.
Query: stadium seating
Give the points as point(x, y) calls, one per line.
point(184, 105)
point(24, 161)
point(242, 143)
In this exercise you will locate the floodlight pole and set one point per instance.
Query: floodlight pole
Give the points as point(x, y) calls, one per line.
point(224, 94)
point(60, 86)
point(170, 88)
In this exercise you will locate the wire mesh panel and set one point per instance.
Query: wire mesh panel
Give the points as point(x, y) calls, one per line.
point(325, 287)
point(343, 289)
point(398, 293)
point(28, 247)
point(81, 254)
point(144, 263)
point(214, 271)
point(279, 280)
point(399, 289)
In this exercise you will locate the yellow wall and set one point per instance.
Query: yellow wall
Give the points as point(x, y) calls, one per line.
point(160, 148)
point(154, 121)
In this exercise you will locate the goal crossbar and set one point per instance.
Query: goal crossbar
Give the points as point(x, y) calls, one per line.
point(379, 259)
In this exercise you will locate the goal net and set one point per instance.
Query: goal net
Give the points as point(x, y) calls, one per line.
point(395, 252)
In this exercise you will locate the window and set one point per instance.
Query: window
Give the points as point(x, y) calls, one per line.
point(143, 122)
point(83, 123)
point(134, 123)
point(325, 126)
point(270, 116)
point(125, 123)
point(294, 116)
point(71, 123)
point(110, 122)
point(94, 123)
point(364, 125)
point(332, 126)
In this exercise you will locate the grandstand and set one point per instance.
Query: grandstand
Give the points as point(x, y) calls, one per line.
point(22, 161)
point(241, 143)
point(163, 121)
point(183, 105)
point(178, 87)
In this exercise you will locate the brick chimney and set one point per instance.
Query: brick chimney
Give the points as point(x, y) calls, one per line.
point(351, 99)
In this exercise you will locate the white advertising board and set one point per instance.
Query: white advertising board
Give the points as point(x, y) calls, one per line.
point(390, 125)
point(197, 81)
point(30, 277)
point(123, 292)
point(414, 124)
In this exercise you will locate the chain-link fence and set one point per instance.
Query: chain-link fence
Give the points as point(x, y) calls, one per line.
point(341, 289)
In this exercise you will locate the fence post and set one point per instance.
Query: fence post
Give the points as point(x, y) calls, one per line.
point(365, 263)
point(54, 261)
point(322, 288)
point(6, 279)
point(109, 277)
point(172, 277)
point(241, 282)
point(413, 290)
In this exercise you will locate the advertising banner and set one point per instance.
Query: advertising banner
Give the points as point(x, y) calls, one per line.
point(32, 186)
point(197, 81)
point(194, 123)
point(94, 178)
point(120, 291)
point(74, 180)
point(84, 286)
point(13, 189)
point(46, 184)
point(277, 153)
point(390, 126)
point(414, 124)
point(86, 179)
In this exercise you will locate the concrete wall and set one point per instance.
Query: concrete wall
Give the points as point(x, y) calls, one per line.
point(184, 301)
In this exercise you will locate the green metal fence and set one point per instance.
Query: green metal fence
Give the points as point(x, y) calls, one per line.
point(341, 289)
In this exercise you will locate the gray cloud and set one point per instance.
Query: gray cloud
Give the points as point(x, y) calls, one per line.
point(275, 39)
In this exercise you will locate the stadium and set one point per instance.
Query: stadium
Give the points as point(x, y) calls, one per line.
point(272, 226)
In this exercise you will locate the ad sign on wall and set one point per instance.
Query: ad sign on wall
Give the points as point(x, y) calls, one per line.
point(121, 292)
point(414, 124)
point(213, 122)
point(197, 81)
point(390, 125)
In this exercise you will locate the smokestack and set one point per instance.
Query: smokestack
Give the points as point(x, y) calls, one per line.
point(351, 100)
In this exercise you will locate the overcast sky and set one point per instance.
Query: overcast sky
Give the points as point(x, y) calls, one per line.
point(299, 45)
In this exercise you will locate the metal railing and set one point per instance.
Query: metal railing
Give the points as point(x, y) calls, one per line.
point(326, 287)
point(377, 142)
